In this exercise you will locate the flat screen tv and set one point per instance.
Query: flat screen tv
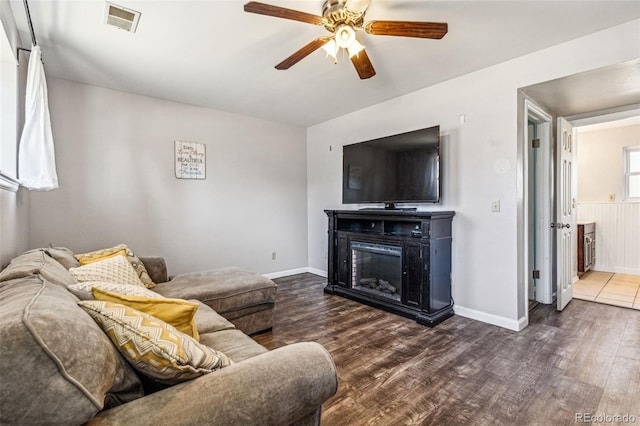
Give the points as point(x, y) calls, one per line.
point(403, 168)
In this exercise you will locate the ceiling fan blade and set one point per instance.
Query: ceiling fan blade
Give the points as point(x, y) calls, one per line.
point(302, 53)
point(363, 65)
point(282, 12)
point(357, 6)
point(407, 29)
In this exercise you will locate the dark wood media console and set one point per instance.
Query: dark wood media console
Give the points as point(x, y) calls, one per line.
point(395, 260)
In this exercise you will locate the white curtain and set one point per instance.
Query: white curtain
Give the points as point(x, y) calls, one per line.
point(36, 157)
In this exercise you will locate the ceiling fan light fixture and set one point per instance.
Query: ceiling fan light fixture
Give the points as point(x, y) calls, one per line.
point(345, 36)
point(355, 48)
point(332, 49)
point(357, 6)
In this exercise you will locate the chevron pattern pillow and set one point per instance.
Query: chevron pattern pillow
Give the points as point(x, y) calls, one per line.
point(115, 269)
point(152, 346)
point(120, 249)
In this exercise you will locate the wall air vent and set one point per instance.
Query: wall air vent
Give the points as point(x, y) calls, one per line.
point(121, 17)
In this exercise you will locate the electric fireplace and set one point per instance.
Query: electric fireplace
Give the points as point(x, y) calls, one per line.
point(377, 269)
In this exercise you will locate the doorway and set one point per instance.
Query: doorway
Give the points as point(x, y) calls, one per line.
point(596, 93)
point(606, 206)
point(538, 204)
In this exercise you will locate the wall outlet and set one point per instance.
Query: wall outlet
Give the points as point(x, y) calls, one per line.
point(612, 197)
point(495, 206)
point(273, 255)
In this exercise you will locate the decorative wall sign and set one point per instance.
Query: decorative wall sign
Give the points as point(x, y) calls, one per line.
point(191, 160)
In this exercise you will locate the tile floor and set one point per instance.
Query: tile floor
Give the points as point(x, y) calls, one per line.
point(612, 289)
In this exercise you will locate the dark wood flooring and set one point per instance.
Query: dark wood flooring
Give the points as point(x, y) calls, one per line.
point(393, 371)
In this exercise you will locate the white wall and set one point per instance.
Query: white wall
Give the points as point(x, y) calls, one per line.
point(485, 247)
point(115, 157)
point(600, 162)
point(14, 206)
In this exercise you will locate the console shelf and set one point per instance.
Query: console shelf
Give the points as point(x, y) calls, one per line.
point(419, 287)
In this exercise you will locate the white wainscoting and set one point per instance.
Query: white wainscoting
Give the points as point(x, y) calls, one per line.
point(617, 235)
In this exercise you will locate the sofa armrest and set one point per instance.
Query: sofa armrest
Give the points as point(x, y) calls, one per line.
point(156, 267)
point(278, 387)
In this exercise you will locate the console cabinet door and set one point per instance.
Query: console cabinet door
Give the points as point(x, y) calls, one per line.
point(425, 288)
point(412, 274)
point(439, 273)
point(344, 266)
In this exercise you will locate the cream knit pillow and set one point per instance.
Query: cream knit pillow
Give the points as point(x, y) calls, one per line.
point(95, 256)
point(115, 269)
point(82, 290)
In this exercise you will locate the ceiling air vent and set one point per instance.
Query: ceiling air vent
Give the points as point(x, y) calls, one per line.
point(121, 17)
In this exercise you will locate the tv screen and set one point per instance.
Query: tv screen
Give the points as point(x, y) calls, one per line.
point(403, 168)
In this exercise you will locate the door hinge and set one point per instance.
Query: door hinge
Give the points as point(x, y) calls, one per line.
point(535, 143)
point(536, 274)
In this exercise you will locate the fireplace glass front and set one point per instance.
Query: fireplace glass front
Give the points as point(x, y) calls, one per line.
point(376, 269)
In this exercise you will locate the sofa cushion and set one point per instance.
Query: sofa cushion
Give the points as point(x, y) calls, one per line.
point(55, 362)
point(209, 321)
point(156, 267)
point(176, 312)
point(36, 262)
point(115, 269)
point(224, 289)
point(63, 256)
point(83, 290)
point(85, 258)
point(234, 343)
point(252, 322)
point(152, 346)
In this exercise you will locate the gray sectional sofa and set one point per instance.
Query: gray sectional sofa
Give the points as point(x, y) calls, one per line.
point(57, 366)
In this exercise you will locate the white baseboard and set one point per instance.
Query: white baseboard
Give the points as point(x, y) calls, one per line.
point(490, 318)
point(319, 272)
point(296, 271)
point(616, 269)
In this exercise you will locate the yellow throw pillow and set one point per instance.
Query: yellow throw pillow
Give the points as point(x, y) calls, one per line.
point(85, 260)
point(152, 346)
point(116, 269)
point(177, 312)
point(95, 256)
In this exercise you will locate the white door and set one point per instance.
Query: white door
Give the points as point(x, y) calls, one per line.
point(564, 213)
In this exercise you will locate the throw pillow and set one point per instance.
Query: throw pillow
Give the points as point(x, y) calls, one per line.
point(83, 290)
point(85, 260)
point(113, 270)
point(64, 256)
point(94, 256)
point(177, 312)
point(152, 346)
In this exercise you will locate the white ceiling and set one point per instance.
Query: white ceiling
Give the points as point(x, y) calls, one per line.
point(213, 54)
point(595, 90)
point(625, 122)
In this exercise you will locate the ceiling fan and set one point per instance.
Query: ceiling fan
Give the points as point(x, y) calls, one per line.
point(342, 18)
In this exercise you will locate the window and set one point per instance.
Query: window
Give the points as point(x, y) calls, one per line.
point(8, 114)
point(632, 173)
